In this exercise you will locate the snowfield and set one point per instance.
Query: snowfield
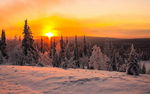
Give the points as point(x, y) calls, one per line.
point(48, 80)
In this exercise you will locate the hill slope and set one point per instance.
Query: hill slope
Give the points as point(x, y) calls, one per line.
point(48, 80)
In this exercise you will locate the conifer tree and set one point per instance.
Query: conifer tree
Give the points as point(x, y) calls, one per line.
point(114, 61)
point(3, 38)
point(54, 47)
point(76, 53)
point(66, 41)
point(67, 49)
point(51, 47)
point(30, 53)
point(42, 48)
point(62, 50)
point(55, 57)
point(84, 46)
point(27, 42)
point(133, 67)
point(3, 44)
point(98, 60)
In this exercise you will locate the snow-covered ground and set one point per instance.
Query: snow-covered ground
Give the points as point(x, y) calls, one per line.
point(48, 80)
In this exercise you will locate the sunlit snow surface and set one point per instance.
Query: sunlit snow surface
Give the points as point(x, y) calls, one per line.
point(48, 80)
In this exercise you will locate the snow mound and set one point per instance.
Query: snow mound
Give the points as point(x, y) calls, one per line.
point(48, 80)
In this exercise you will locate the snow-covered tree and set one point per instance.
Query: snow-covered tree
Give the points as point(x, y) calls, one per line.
point(84, 47)
point(31, 54)
point(54, 47)
point(76, 53)
point(18, 57)
point(62, 50)
point(55, 56)
point(118, 62)
point(51, 47)
point(55, 60)
point(67, 51)
point(98, 60)
point(84, 62)
point(70, 63)
point(27, 42)
point(44, 59)
point(42, 45)
point(133, 67)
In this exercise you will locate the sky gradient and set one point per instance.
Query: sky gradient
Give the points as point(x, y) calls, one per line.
point(100, 18)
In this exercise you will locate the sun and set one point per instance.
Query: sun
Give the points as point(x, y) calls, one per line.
point(49, 34)
point(49, 31)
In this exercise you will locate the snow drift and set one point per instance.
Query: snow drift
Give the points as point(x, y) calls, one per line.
point(48, 80)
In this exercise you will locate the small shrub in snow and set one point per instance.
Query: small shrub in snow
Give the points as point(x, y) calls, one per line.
point(143, 70)
point(84, 62)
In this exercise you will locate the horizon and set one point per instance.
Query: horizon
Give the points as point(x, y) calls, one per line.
point(39, 37)
point(112, 19)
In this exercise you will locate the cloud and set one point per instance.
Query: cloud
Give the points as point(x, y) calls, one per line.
point(16, 10)
point(114, 25)
point(71, 26)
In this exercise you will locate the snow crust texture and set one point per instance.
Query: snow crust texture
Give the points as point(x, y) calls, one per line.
point(48, 80)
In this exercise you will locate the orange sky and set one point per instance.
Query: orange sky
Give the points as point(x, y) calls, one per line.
point(102, 18)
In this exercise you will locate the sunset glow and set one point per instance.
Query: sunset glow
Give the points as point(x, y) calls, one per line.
point(49, 34)
point(49, 30)
point(100, 18)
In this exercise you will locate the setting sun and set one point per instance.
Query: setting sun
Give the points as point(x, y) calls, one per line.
point(49, 30)
point(49, 34)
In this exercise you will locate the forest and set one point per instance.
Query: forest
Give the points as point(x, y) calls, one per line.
point(122, 55)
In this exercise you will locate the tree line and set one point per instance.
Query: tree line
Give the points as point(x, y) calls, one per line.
point(70, 55)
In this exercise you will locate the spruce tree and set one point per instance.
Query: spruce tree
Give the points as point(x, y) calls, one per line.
point(84, 46)
point(66, 41)
point(51, 47)
point(76, 53)
point(55, 57)
point(67, 49)
point(114, 61)
point(3, 44)
point(54, 47)
point(30, 53)
point(62, 50)
point(98, 60)
point(133, 67)
point(27, 42)
point(42, 45)
point(3, 38)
